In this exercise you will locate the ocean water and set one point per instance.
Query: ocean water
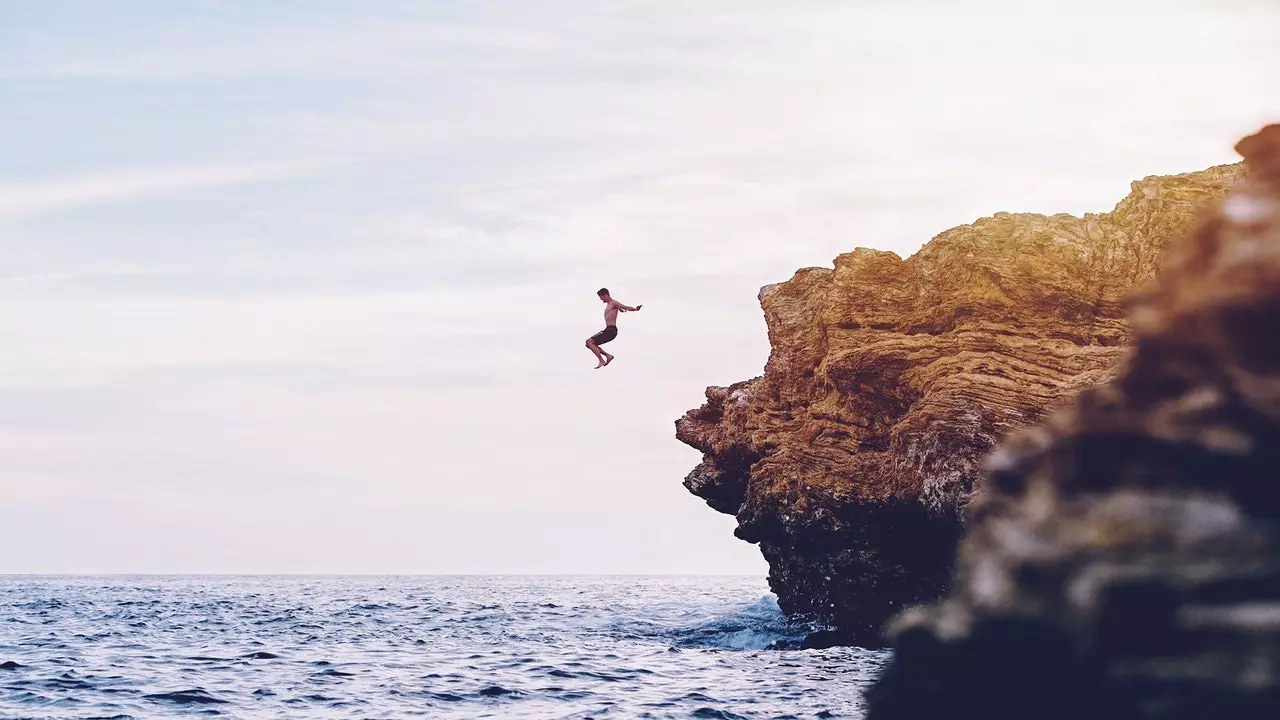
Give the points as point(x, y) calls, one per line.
point(410, 646)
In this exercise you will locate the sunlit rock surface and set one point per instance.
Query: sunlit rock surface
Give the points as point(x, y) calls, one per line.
point(852, 459)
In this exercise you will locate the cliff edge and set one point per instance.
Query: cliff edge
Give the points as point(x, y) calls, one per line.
point(852, 459)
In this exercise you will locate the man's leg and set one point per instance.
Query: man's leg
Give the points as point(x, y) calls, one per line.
point(591, 345)
point(607, 335)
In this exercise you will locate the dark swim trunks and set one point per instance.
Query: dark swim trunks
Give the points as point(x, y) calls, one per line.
point(610, 332)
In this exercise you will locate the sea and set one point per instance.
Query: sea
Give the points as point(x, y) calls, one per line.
point(414, 646)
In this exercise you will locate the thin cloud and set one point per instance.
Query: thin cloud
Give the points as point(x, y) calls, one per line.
point(25, 199)
point(256, 45)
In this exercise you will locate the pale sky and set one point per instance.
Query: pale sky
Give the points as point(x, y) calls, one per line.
point(302, 286)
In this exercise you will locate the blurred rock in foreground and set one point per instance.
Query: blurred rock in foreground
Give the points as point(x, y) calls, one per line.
point(1123, 558)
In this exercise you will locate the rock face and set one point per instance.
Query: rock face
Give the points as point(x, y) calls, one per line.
point(852, 459)
point(1123, 558)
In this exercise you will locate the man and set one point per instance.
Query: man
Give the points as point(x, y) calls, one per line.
point(611, 309)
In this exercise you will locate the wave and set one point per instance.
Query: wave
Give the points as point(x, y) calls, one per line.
point(194, 696)
point(758, 626)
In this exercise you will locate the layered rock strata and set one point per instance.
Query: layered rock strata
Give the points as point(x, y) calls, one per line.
point(1123, 557)
point(852, 459)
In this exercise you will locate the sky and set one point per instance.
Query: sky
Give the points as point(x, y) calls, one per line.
point(302, 287)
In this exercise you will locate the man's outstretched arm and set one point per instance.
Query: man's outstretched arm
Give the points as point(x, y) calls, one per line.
point(626, 308)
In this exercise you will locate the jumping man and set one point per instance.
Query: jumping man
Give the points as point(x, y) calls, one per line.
point(611, 309)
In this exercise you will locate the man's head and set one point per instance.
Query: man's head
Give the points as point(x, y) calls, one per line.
point(604, 294)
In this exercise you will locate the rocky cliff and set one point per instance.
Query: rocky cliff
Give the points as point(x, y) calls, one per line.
point(852, 459)
point(1123, 558)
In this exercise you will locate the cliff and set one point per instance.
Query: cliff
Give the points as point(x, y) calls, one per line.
point(1123, 558)
point(852, 459)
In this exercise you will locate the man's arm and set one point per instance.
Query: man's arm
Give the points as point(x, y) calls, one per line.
point(626, 308)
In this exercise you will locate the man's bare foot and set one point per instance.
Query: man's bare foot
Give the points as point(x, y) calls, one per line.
point(602, 364)
point(608, 359)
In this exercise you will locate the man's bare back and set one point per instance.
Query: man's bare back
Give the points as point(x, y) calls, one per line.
point(611, 309)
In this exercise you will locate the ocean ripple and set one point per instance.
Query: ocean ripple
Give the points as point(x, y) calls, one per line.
point(434, 647)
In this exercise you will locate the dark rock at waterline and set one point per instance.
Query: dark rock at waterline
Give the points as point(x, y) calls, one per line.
point(1123, 558)
point(823, 639)
point(9, 665)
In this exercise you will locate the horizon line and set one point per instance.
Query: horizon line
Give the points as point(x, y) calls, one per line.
point(362, 574)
